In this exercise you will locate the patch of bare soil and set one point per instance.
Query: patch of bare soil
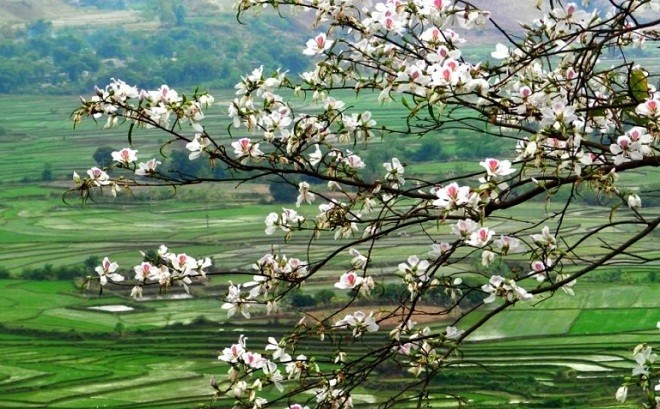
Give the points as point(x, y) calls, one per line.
point(26, 10)
point(101, 18)
point(391, 315)
point(62, 14)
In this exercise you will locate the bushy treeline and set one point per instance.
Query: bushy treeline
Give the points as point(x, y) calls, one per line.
point(388, 293)
point(49, 272)
point(623, 275)
point(210, 55)
point(104, 4)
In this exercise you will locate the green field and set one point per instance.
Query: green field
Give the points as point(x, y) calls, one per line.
point(564, 351)
point(59, 353)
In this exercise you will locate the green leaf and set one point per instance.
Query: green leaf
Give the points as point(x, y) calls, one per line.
point(130, 134)
point(639, 84)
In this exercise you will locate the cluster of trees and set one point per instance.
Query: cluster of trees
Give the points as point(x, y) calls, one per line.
point(66, 61)
point(49, 272)
point(622, 275)
point(103, 4)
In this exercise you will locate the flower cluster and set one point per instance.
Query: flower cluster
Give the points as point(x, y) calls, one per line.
point(508, 289)
point(645, 374)
point(422, 350)
point(155, 108)
point(289, 219)
point(359, 322)
point(165, 269)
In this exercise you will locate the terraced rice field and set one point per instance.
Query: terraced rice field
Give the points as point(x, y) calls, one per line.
point(67, 349)
point(60, 353)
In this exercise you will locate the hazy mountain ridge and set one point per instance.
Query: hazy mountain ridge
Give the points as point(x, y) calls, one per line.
point(66, 53)
point(66, 46)
point(507, 13)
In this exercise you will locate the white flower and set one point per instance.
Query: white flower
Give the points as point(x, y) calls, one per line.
point(644, 357)
point(649, 108)
point(147, 168)
point(197, 145)
point(358, 261)
point(206, 99)
point(182, 262)
point(481, 237)
point(621, 394)
point(121, 91)
point(317, 45)
point(394, 171)
point(496, 167)
point(279, 349)
point(558, 115)
point(464, 227)
point(626, 150)
point(316, 156)
point(540, 269)
point(125, 156)
point(107, 271)
point(162, 275)
point(438, 249)
point(487, 257)
point(239, 389)
point(500, 287)
point(295, 368)
point(272, 221)
point(501, 52)
point(507, 243)
point(253, 360)
point(164, 94)
point(99, 177)
point(136, 292)
point(359, 322)
point(452, 196)
point(453, 332)
point(304, 195)
point(273, 375)
point(545, 239)
point(290, 215)
point(234, 352)
point(349, 281)
point(236, 301)
point(244, 149)
point(354, 162)
point(415, 269)
point(158, 115)
point(634, 202)
point(143, 271)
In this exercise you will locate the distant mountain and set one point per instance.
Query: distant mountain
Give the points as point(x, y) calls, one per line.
point(150, 42)
point(507, 13)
